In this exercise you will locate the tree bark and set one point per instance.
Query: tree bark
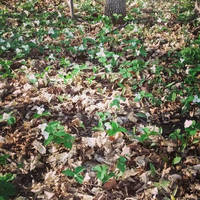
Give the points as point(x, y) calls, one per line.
point(116, 7)
point(71, 7)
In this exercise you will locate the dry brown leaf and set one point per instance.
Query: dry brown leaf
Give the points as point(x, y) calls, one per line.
point(110, 184)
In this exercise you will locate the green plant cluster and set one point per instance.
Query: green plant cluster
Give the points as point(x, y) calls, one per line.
point(102, 171)
point(57, 134)
point(7, 189)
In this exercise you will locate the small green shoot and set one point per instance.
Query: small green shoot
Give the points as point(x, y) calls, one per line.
point(116, 101)
point(44, 114)
point(162, 184)
point(3, 159)
point(102, 117)
point(176, 160)
point(152, 169)
point(146, 135)
point(58, 135)
point(7, 117)
point(115, 128)
point(7, 189)
point(76, 174)
point(65, 62)
point(5, 69)
point(102, 173)
point(121, 164)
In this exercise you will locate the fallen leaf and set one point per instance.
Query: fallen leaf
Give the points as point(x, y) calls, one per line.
point(110, 184)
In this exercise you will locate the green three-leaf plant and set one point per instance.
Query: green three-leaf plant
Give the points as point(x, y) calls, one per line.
point(58, 135)
point(102, 173)
point(76, 174)
point(115, 128)
point(3, 159)
point(7, 189)
point(121, 164)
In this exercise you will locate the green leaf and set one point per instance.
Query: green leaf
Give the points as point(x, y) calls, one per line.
point(107, 177)
point(115, 102)
point(3, 159)
point(176, 160)
point(79, 169)
point(7, 189)
point(60, 133)
point(48, 140)
point(68, 172)
point(101, 171)
point(173, 96)
point(79, 178)
point(11, 120)
point(121, 164)
point(36, 115)
point(192, 132)
point(141, 115)
point(162, 184)
point(152, 169)
point(115, 128)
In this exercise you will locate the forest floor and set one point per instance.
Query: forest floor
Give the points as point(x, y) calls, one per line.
point(91, 113)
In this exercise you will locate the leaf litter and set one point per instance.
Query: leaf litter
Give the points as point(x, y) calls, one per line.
point(74, 94)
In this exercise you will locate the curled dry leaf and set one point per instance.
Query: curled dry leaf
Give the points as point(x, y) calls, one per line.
point(130, 172)
point(2, 141)
point(132, 118)
point(39, 147)
point(89, 141)
point(140, 160)
point(125, 150)
point(175, 178)
point(49, 195)
point(192, 160)
point(196, 167)
point(110, 184)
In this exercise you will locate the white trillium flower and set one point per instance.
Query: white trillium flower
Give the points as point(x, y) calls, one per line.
point(107, 125)
point(187, 123)
point(137, 52)
point(101, 53)
point(32, 76)
point(26, 12)
point(135, 30)
point(6, 116)
point(42, 127)
point(153, 68)
point(115, 56)
point(3, 48)
point(51, 56)
point(18, 50)
point(109, 67)
point(20, 38)
point(33, 41)
point(159, 20)
point(81, 48)
point(25, 47)
point(51, 31)
point(2, 40)
point(69, 33)
point(196, 99)
point(138, 96)
point(8, 45)
point(40, 110)
point(37, 22)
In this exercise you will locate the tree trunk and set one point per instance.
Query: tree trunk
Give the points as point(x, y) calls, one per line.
point(115, 7)
point(71, 7)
